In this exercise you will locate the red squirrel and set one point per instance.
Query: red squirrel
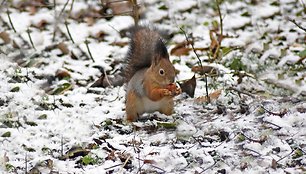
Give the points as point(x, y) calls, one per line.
point(149, 75)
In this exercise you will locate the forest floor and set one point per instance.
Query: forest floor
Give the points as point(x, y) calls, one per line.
point(62, 99)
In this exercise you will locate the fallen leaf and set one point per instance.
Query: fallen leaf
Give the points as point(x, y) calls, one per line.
point(181, 49)
point(146, 161)
point(63, 47)
point(204, 70)
point(212, 96)
point(189, 86)
point(61, 74)
point(41, 24)
point(274, 164)
point(5, 37)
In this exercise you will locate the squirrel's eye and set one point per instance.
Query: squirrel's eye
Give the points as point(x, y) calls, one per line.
point(162, 72)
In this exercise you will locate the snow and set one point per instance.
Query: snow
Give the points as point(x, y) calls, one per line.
point(44, 126)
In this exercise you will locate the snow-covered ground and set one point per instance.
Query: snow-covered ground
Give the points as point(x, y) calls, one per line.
point(52, 121)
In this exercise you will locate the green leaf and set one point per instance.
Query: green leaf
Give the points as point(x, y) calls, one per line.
point(62, 88)
point(226, 50)
point(31, 123)
point(298, 153)
point(88, 160)
point(237, 65)
point(246, 14)
point(167, 125)
point(241, 137)
point(302, 54)
point(6, 134)
point(206, 23)
point(215, 24)
point(42, 117)
point(15, 89)
point(9, 167)
point(163, 7)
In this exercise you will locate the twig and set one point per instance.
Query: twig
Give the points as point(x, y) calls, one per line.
point(298, 25)
point(117, 165)
point(71, 7)
point(89, 52)
point(253, 140)
point(62, 146)
point(67, 28)
point(206, 86)
point(280, 114)
point(31, 41)
point(215, 162)
point(199, 62)
point(285, 156)
point(219, 39)
point(63, 9)
point(2, 3)
point(135, 12)
point(125, 162)
point(221, 21)
point(10, 20)
point(55, 23)
point(278, 127)
point(242, 92)
point(193, 49)
point(26, 163)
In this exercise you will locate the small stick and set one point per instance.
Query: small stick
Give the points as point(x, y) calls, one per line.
point(285, 156)
point(193, 49)
point(242, 92)
point(209, 167)
point(206, 86)
point(63, 8)
point(117, 165)
point(135, 12)
point(31, 41)
point(26, 163)
point(298, 25)
point(89, 52)
point(55, 23)
point(67, 28)
point(71, 7)
point(10, 20)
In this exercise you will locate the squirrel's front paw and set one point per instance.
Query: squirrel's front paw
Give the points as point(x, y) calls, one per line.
point(174, 89)
point(166, 92)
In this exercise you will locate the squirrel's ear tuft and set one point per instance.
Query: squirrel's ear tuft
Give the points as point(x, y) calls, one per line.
point(161, 50)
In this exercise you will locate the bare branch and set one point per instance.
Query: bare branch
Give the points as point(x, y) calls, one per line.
point(89, 52)
point(31, 41)
point(298, 25)
point(10, 20)
point(67, 28)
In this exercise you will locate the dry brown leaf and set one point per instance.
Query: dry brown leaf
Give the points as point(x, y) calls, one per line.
point(120, 7)
point(181, 49)
point(100, 35)
point(41, 24)
point(189, 86)
point(204, 69)
point(61, 74)
point(5, 37)
point(32, 10)
point(212, 96)
point(146, 161)
point(274, 164)
point(63, 47)
point(120, 44)
point(90, 21)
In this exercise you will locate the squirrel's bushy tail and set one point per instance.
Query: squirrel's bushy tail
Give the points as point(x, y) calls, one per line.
point(145, 45)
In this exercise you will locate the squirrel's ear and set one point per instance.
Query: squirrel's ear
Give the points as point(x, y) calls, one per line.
point(161, 50)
